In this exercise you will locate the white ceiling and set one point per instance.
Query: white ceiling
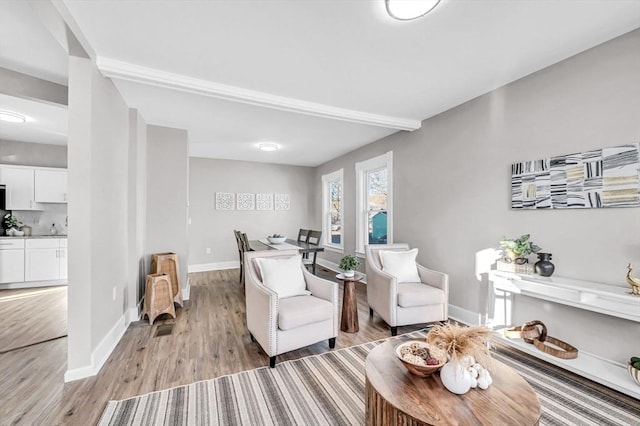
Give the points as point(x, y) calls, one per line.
point(323, 77)
point(27, 47)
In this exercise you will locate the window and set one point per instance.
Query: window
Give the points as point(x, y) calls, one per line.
point(374, 194)
point(332, 210)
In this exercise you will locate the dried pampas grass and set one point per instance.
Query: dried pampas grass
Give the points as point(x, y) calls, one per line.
point(458, 341)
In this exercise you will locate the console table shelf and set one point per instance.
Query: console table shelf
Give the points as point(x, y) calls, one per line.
point(605, 372)
point(614, 301)
point(606, 299)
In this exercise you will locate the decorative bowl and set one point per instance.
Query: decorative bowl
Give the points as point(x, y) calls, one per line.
point(635, 373)
point(421, 370)
point(277, 240)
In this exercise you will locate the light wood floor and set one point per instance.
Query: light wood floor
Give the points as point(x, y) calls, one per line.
point(209, 339)
point(32, 315)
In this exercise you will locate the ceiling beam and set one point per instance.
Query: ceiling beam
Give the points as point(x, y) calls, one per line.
point(113, 68)
point(24, 86)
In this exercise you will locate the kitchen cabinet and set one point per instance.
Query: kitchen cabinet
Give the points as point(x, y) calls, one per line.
point(50, 185)
point(20, 187)
point(11, 261)
point(45, 259)
point(63, 259)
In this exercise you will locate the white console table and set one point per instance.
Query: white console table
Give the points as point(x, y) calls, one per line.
point(606, 299)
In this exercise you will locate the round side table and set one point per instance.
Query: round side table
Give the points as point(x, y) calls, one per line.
point(349, 320)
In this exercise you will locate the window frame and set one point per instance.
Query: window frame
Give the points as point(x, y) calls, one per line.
point(362, 218)
point(327, 180)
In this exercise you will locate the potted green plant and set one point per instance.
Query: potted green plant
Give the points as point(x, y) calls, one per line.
point(517, 249)
point(11, 224)
point(349, 264)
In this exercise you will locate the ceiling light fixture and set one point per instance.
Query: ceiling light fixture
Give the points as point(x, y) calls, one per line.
point(268, 146)
point(12, 117)
point(405, 10)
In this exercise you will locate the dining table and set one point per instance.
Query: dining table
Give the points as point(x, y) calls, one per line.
point(289, 244)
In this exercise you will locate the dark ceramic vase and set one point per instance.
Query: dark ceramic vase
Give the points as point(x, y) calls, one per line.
point(543, 266)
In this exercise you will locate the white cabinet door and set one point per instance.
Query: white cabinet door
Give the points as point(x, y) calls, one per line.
point(50, 186)
point(45, 259)
point(63, 263)
point(11, 266)
point(20, 187)
point(42, 264)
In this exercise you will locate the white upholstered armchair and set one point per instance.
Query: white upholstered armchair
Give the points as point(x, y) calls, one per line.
point(401, 291)
point(287, 306)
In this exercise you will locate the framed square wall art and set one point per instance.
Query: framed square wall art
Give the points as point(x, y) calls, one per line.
point(264, 201)
point(282, 202)
point(245, 201)
point(225, 201)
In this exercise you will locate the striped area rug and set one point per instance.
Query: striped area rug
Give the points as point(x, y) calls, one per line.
point(328, 389)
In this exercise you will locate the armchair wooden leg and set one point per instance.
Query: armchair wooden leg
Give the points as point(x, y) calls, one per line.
point(332, 342)
point(394, 331)
point(370, 311)
point(272, 362)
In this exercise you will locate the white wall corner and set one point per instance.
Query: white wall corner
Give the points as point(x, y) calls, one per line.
point(101, 353)
point(464, 316)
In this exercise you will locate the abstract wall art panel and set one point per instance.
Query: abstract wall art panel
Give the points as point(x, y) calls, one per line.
point(245, 201)
point(264, 201)
point(225, 201)
point(282, 202)
point(607, 177)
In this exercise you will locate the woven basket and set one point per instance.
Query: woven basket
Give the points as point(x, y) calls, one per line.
point(158, 298)
point(525, 269)
point(167, 263)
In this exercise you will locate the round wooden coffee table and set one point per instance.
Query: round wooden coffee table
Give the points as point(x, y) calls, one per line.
point(397, 397)
point(349, 320)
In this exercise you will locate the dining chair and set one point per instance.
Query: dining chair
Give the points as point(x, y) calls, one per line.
point(302, 235)
point(243, 246)
point(313, 238)
point(240, 252)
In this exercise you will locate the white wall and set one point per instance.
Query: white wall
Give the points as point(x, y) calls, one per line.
point(167, 191)
point(211, 228)
point(98, 256)
point(452, 183)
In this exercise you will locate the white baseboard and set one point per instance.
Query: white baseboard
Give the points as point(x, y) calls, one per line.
point(186, 291)
point(30, 284)
point(464, 316)
point(133, 314)
point(216, 266)
point(101, 353)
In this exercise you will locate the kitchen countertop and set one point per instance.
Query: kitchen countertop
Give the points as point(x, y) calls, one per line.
point(4, 237)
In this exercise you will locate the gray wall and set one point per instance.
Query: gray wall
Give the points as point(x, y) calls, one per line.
point(32, 154)
point(213, 228)
point(167, 190)
point(137, 211)
point(452, 183)
point(98, 256)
